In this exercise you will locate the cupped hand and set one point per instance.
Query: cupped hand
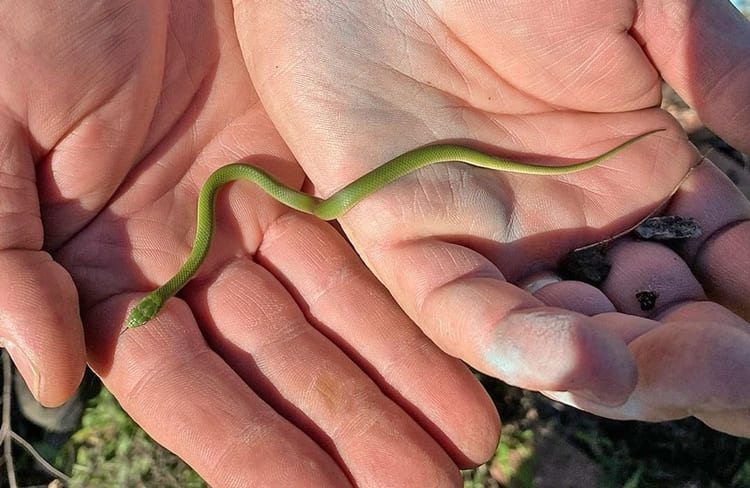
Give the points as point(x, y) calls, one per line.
point(284, 361)
point(465, 251)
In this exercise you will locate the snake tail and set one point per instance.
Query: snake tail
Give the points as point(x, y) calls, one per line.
point(344, 199)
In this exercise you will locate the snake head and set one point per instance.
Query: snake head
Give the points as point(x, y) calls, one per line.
point(144, 311)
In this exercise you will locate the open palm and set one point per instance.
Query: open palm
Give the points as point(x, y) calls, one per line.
point(285, 361)
point(350, 85)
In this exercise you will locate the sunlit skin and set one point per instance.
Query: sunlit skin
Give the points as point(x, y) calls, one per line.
point(459, 249)
point(286, 360)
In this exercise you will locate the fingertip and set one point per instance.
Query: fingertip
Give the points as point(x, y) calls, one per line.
point(506, 333)
point(557, 350)
point(52, 396)
point(40, 326)
point(472, 431)
point(50, 390)
point(29, 372)
point(485, 441)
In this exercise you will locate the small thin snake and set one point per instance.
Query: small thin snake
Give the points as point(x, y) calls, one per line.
point(337, 204)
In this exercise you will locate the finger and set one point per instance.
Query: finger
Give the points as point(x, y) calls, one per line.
point(647, 278)
point(188, 399)
point(40, 326)
point(679, 374)
point(694, 361)
point(260, 331)
point(719, 257)
point(39, 322)
point(349, 306)
point(701, 50)
point(464, 304)
point(701, 332)
point(588, 300)
point(569, 294)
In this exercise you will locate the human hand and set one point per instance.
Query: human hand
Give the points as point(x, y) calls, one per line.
point(285, 362)
point(349, 86)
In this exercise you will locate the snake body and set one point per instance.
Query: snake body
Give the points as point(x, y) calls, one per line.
point(337, 204)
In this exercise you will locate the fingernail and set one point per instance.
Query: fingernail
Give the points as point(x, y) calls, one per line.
point(24, 366)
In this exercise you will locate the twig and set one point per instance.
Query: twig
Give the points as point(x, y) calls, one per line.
point(8, 436)
point(38, 457)
point(5, 429)
point(662, 205)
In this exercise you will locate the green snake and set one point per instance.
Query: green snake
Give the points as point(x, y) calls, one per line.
point(337, 204)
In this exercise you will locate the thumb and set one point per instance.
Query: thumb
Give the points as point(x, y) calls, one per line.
point(39, 321)
point(702, 48)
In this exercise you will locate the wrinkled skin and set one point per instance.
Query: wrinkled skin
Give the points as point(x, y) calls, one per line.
point(286, 359)
point(462, 250)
